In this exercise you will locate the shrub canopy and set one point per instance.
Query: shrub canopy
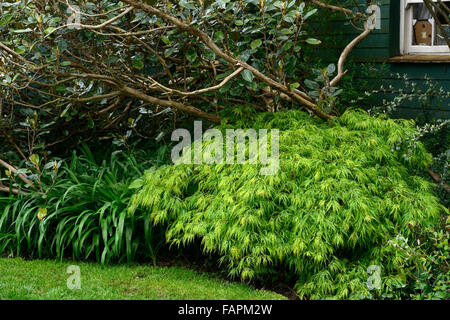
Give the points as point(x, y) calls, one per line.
point(343, 191)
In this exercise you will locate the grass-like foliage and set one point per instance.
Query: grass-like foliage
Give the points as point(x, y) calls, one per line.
point(83, 216)
point(343, 191)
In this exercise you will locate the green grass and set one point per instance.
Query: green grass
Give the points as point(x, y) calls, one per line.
point(47, 279)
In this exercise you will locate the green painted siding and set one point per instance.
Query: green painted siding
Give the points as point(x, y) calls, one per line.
point(374, 52)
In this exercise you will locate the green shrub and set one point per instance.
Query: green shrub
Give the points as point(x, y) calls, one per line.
point(435, 135)
point(82, 216)
point(428, 255)
point(343, 191)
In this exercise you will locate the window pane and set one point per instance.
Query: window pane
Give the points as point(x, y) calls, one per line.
point(422, 26)
point(444, 20)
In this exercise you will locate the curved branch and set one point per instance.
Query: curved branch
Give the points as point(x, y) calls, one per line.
point(346, 52)
point(196, 92)
point(444, 6)
point(95, 27)
point(168, 103)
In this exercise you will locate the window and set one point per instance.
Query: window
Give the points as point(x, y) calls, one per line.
point(420, 32)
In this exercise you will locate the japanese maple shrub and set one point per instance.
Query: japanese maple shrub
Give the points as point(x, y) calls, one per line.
point(344, 190)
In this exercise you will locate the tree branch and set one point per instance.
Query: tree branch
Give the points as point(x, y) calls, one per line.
point(430, 6)
point(15, 191)
point(168, 103)
point(196, 92)
point(15, 54)
point(230, 59)
point(95, 27)
point(438, 179)
point(336, 8)
point(12, 169)
point(346, 52)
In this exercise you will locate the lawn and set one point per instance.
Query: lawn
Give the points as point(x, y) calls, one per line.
point(47, 279)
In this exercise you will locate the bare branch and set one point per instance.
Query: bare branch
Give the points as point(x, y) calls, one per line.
point(336, 8)
point(15, 191)
point(18, 56)
point(438, 180)
point(346, 52)
point(168, 103)
point(430, 5)
point(95, 27)
point(14, 170)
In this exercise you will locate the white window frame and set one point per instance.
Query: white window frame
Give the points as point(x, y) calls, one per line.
point(406, 33)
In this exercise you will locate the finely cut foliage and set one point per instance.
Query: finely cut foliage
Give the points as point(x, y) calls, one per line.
point(344, 189)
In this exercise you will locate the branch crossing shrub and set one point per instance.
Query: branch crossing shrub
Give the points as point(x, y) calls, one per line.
point(343, 191)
